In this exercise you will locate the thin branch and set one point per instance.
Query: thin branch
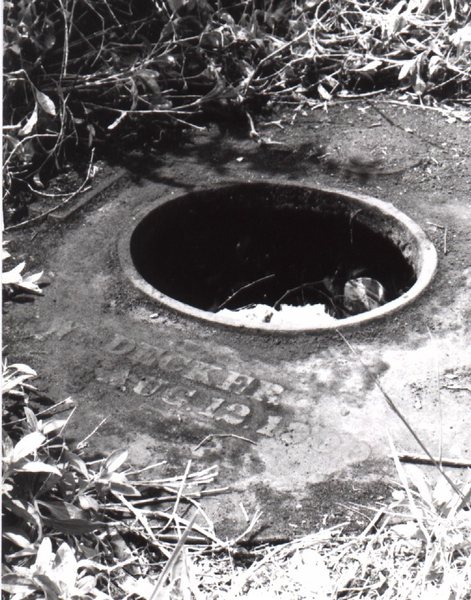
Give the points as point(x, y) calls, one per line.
point(173, 558)
point(222, 435)
point(243, 288)
point(301, 287)
point(83, 442)
point(58, 206)
point(272, 55)
point(419, 459)
point(178, 498)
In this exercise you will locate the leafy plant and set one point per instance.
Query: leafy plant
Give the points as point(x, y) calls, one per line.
point(14, 282)
point(77, 528)
point(80, 74)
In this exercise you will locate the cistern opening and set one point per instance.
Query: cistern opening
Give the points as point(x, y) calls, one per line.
point(219, 253)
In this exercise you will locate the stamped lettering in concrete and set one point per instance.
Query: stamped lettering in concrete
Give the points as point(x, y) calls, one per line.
point(159, 362)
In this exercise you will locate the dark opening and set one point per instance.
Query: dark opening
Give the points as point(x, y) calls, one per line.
point(267, 244)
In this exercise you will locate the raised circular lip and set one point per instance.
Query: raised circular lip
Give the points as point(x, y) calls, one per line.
point(427, 263)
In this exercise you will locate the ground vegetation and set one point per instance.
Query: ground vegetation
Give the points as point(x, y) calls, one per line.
point(81, 75)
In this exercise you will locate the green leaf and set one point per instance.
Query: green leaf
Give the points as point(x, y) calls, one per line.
point(6, 488)
point(421, 484)
point(11, 383)
point(18, 538)
point(63, 510)
point(7, 444)
point(323, 93)
point(27, 370)
point(88, 503)
point(45, 556)
point(443, 495)
point(34, 277)
point(115, 460)
point(76, 463)
point(29, 283)
point(407, 67)
point(39, 467)
point(370, 67)
point(117, 482)
point(53, 425)
point(86, 584)
point(27, 445)
point(73, 526)
point(31, 419)
point(142, 588)
point(65, 569)
point(125, 489)
point(23, 510)
point(50, 588)
point(17, 584)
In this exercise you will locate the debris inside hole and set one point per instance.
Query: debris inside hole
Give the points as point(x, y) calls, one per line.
point(230, 249)
point(285, 316)
point(360, 294)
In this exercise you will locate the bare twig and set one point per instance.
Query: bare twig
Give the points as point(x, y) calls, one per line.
point(83, 442)
point(173, 558)
point(426, 460)
point(386, 117)
point(243, 288)
point(300, 288)
point(188, 496)
point(178, 498)
point(270, 56)
point(443, 228)
point(222, 435)
point(58, 206)
point(249, 529)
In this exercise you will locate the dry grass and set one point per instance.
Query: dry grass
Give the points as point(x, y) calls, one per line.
point(81, 74)
point(417, 547)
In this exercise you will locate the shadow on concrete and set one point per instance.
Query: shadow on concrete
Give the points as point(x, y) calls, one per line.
point(219, 146)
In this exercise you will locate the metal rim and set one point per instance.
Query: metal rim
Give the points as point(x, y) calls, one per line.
point(425, 269)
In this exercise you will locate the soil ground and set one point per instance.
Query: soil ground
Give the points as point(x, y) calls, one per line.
point(296, 423)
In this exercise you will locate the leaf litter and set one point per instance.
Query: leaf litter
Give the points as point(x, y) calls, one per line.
point(129, 73)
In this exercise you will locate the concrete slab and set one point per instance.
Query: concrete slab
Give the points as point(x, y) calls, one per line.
point(296, 423)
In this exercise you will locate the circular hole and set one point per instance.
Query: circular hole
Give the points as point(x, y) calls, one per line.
point(212, 253)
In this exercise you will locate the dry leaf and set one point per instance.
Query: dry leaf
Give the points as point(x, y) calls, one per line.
point(323, 93)
point(45, 103)
point(30, 123)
